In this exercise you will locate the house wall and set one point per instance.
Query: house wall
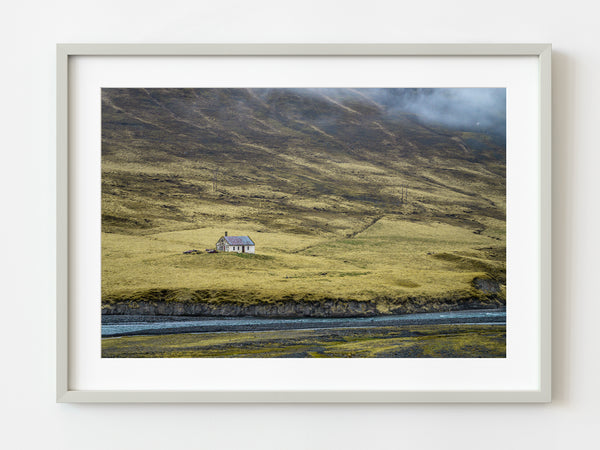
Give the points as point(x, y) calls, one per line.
point(238, 248)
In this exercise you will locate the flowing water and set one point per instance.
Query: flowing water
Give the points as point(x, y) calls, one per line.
point(125, 325)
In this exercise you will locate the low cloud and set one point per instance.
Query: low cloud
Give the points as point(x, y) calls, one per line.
point(467, 109)
point(470, 109)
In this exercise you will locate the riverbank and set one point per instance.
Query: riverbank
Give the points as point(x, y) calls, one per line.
point(414, 341)
point(325, 307)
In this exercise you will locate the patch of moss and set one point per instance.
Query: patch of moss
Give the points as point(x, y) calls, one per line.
point(429, 341)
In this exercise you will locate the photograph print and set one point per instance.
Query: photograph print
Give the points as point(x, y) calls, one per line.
point(303, 223)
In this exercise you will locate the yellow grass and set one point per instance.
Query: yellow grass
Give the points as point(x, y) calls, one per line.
point(393, 257)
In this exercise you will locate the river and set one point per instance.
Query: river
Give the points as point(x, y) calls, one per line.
point(128, 325)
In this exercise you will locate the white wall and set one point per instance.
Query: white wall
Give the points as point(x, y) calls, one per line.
point(31, 419)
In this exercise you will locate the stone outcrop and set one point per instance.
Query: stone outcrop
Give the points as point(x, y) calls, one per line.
point(328, 308)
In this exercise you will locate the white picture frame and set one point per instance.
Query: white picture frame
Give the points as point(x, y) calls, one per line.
point(65, 358)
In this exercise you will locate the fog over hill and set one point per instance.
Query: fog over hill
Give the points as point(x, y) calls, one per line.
point(481, 110)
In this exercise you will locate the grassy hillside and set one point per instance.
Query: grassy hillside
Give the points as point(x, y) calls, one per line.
point(344, 198)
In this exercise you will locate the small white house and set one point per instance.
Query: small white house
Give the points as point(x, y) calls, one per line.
point(237, 244)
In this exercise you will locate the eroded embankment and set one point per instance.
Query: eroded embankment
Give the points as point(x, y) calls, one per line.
point(169, 303)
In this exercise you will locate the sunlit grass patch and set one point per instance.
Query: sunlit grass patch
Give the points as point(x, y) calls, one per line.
point(392, 258)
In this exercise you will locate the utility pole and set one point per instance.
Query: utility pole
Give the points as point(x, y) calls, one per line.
point(215, 180)
point(403, 195)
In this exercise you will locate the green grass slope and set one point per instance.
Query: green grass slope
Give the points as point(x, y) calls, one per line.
point(343, 198)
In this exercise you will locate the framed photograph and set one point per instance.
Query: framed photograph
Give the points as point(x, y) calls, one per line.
point(303, 223)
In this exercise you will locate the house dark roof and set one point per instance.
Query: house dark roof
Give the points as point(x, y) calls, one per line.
point(238, 240)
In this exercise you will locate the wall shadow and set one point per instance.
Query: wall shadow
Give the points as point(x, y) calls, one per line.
point(563, 155)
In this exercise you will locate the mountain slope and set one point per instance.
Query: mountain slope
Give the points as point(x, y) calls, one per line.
point(280, 149)
point(347, 194)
